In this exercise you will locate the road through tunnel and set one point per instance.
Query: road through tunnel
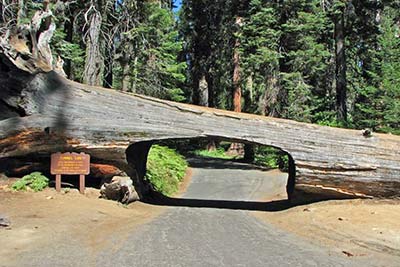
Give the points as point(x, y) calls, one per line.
point(268, 175)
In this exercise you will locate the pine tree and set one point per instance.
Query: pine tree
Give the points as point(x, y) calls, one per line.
point(148, 53)
point(378, 104)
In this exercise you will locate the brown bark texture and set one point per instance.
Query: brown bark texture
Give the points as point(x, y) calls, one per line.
point(237, 90)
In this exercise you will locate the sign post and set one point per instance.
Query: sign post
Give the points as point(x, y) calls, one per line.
point(70, 164)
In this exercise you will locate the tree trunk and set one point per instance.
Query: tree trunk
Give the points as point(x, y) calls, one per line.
point(108, 62)
point(236, 149)
point(42, 113)
point(126, 74)
point(237, 90)
point(135, 73)
point(341, 82)
point(93, 72)
point(203, 91)
point(249, 153)
point(270, 104)
point(21, 11)
point(69, 34)
point(203, 100)
point(49, 114)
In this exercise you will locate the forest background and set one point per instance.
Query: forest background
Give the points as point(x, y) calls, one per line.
point(329, 62)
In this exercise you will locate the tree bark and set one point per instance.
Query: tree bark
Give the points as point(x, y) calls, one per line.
point(93, 72)
point(340, 55)
point(67, 116)
point(237, 90)
point(126, 75)
point(108, 62)
point(203, 91)
point(42, 113)
point(21, 11)
point(270, 105)
point(237, 148)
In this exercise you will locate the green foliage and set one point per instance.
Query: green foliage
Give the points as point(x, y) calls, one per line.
point(265, 156)
point(68, 51)
point(155, 69)
point(378, 101)
point(271, 157)
point(287, 53)
point(219, 153)
point(165, 169)
point(35, 181)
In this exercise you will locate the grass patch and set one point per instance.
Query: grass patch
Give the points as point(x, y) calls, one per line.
point(165, 169)
point(219, 153)
point(271, 157)
point(35, 181)
point(265, 156)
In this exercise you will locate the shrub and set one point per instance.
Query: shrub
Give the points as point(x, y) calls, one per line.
point(271, 157)
point(165, 169)
point(218, 153)
point(35, 181)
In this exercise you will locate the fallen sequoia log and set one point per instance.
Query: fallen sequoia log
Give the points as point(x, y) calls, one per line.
point(41, 112)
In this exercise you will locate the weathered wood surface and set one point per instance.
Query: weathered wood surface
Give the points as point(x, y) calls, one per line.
point(52, 114)
point(41, 112)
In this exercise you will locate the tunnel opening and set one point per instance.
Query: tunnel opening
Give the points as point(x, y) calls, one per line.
point(273, 169)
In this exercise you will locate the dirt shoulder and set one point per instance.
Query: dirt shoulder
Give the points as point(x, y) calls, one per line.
point(46, 218)
point(356, 228)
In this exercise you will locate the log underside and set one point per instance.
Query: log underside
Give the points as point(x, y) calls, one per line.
point(44, 113)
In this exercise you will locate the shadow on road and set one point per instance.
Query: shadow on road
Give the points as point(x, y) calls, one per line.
point(156, 198)
point(161, 200)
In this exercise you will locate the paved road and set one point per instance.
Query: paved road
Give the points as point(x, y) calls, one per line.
point(211, 227)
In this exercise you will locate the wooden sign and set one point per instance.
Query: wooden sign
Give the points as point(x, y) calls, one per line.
point(70, 164)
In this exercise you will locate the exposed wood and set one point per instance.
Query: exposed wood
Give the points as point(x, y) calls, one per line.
point(27, 47)
point(67, 115)
point(47, 113)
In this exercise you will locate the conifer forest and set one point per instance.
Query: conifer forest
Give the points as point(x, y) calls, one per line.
point(329, 62)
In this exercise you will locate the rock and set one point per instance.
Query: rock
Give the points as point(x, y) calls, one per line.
point(4, 221)
point(120, 189)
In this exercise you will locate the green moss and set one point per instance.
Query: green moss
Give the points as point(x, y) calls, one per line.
point(165, 169)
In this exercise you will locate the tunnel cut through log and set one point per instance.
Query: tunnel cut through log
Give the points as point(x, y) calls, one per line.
point(62, 115)
point(41, 112)
point(137, 155)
